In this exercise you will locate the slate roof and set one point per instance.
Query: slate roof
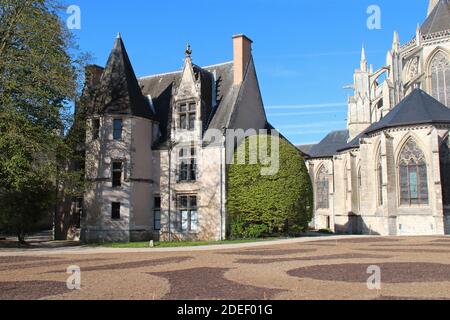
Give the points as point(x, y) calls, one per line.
point(328, 147)
point(438, 20)
point(417, 108)
point(305, 148)
point(119, 91)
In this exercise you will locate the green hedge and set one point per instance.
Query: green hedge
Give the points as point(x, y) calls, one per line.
point(260, 205)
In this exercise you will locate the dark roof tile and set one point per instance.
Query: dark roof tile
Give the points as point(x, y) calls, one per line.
point(438, 20)
point(328, 147)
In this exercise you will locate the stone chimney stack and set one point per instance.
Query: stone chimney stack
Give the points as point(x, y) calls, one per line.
point(242, 53)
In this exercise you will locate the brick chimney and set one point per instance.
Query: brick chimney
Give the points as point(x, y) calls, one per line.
point(242, 49)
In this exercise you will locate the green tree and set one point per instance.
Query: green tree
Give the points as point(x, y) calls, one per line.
point(39, 75)
point(263, 205)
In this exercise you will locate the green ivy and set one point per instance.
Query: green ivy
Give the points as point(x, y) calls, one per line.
point(260, 205)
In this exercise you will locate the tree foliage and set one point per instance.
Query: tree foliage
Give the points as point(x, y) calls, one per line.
point(38, 77)
point(263, 205)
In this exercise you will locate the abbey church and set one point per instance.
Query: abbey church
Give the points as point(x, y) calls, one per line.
point(388, 173)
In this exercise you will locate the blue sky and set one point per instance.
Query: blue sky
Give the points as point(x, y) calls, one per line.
point(305, 51)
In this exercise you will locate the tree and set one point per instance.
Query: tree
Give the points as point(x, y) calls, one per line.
point(38, 77)
point(263, 205)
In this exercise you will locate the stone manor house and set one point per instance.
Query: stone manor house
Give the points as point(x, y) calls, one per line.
point(388, 173)
point(152, 174)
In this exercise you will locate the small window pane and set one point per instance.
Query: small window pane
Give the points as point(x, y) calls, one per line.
point(95, 129)
point(194, 220)
point(183, 121)
point(115, 211)
point(117, 134)
point(157, 202)
point(184, 220)
point(193, 202)
point(117, 174)
point(157, 214)
point(191, 121)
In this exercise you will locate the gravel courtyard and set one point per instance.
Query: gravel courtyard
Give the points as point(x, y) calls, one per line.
point(411, 268)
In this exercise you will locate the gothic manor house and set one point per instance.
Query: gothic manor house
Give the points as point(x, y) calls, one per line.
point(152, 174)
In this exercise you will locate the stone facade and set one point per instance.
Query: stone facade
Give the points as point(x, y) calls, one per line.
point(152, 174)
point(366, 189)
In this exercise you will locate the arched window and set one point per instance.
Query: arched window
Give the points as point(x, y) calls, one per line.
point(445, 171)
point(440, 78)
point(322, 188)
point(413, 175)
point(380, 181)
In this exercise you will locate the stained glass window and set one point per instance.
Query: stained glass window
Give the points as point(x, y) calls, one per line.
point(440, 78)
point(413, 176)
point(322, 188)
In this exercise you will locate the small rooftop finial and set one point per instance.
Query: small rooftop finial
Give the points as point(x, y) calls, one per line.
point(188, 50)
point(119, 36)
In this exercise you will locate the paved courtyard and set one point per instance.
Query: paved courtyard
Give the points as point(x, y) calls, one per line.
point(411, 268)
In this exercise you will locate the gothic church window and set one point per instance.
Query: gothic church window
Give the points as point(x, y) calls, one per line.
point(445, 170)
point(413, 175)
point(322, 189)
point(440, 78)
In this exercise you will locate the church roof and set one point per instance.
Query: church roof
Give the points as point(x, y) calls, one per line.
point(305, 148)
point(329, 146)
point(439, 19)
point(119, 91)
point(417, 108)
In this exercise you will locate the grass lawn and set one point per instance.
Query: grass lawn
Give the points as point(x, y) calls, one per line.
point(137, 245)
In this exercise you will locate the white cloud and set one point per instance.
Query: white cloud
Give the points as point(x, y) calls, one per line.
point(318, 124)
point(306, 106)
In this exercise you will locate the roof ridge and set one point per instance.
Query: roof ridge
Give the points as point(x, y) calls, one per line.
point(175, 72)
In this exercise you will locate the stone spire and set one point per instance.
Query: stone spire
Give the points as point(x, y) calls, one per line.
point(396, 42)
point(418, 35)
point(363, 59)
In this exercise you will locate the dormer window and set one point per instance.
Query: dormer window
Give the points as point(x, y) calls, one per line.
point(187, 116)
